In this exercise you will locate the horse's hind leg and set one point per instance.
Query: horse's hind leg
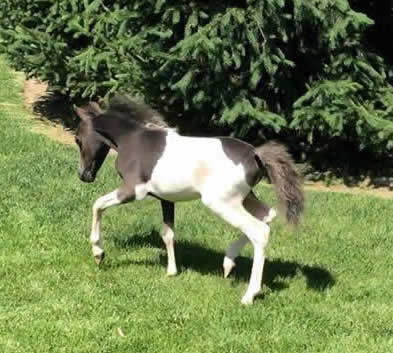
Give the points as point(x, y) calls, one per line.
point(258, 208)
point(168, 212)
point(232, 253)
point(260, 211)
point(114, 198)
point(256, 231)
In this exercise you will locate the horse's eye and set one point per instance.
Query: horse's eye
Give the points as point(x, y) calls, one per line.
point(78, 142)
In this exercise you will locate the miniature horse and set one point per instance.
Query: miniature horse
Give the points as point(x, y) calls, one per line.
point(159, 162)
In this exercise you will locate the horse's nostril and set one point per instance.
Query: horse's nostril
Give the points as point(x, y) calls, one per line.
point(86, 177)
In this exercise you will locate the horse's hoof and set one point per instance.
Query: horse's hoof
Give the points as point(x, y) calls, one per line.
point(228, 266)
point(247, 300)
point(171, 273)
point(99, 258)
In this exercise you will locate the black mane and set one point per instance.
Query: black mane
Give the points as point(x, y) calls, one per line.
point(137, 112)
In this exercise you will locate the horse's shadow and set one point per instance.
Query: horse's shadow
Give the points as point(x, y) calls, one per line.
point(191, 255)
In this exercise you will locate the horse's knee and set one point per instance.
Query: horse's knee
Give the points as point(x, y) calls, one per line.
point(97, 206)
point(270, 216)
point(126, 194)
point(258, 208)
point(258, 235)
point(168, 235)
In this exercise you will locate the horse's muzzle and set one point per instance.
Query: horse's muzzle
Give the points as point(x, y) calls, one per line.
point(87, 176)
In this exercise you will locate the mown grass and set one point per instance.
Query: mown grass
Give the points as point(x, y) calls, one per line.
point(327, 285)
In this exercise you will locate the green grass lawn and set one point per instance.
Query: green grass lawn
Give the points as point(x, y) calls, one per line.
point(327, 286)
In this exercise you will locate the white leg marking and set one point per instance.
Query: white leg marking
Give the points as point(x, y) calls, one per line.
point(271, 215)
point(228, 265)
point(236, 246)
point(257, 232)
point(168, 237)
point(232, 252)
point(259, 210)
point(258, 235)
point(99, 206)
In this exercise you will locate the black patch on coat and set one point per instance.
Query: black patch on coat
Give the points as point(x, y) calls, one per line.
point(240, 152)
point(138, 154)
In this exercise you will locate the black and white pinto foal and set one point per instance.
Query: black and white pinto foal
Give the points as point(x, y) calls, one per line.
point(159, 162)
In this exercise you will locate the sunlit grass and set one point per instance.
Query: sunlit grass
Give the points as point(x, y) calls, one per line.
point(327, 285)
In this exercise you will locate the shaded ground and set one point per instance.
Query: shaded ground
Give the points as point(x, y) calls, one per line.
point(55, 119)
point(49, 112)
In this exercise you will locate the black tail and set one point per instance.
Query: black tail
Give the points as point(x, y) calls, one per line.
point(283, 175)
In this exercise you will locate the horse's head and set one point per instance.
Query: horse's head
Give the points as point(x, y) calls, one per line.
point(92, 147)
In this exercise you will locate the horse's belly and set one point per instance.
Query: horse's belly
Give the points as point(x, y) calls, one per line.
point(185, 195)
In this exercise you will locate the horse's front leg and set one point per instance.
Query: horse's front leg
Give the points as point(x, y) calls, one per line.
point(168, 213)
point(114, 198)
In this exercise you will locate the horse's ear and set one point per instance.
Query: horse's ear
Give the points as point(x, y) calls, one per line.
point(89, 111)
point(82, 112)
point(95, 108)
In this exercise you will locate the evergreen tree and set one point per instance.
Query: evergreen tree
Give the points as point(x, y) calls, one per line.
point(257, 68)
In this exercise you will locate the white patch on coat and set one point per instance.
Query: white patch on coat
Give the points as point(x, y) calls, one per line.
point(190, 167)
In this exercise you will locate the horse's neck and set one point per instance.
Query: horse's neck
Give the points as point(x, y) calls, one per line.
point(115, 130)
